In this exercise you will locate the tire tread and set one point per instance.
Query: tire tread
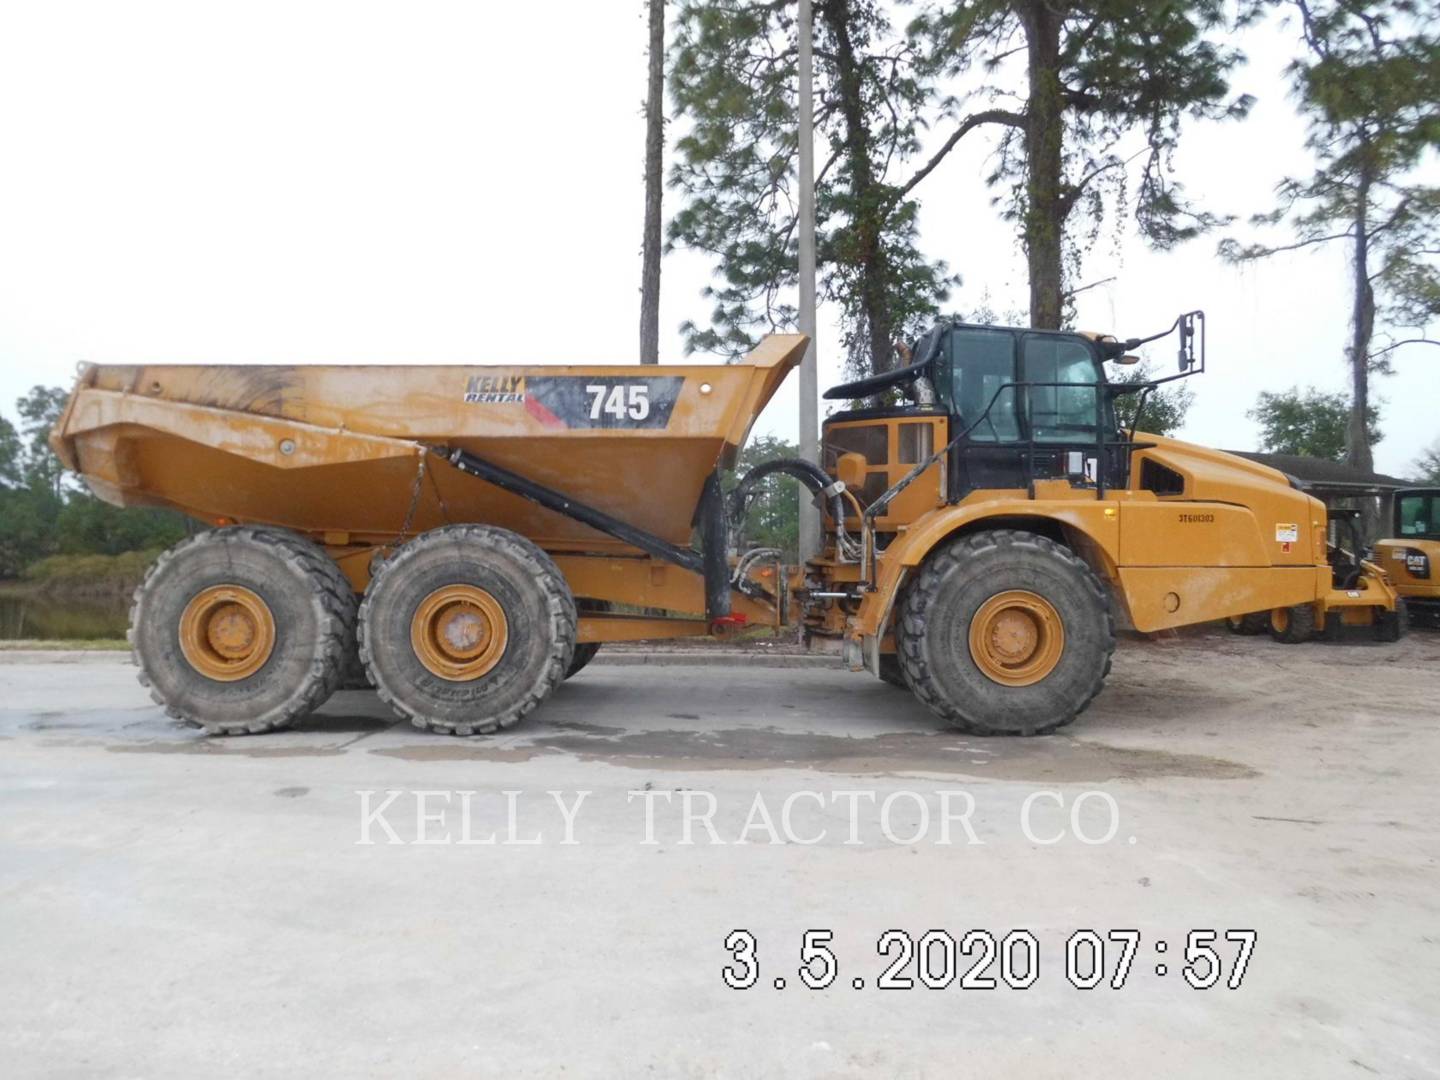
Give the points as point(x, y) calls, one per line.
point(334, 605)
point(560, 606)
point(922, 593)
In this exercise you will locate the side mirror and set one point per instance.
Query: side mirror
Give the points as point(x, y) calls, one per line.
point(1187, 342)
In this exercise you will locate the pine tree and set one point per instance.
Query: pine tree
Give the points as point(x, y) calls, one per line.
point(733, 78)
point(1369, 81)
point(1096, 77)
point(1104, 83)
point(40, 410)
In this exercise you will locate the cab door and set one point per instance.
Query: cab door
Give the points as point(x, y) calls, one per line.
point(1066, 405)
point(976, 380)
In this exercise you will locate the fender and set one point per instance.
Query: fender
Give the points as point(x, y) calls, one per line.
point(1090, 526)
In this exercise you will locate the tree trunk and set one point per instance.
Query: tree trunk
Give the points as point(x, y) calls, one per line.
point(1362, 326)
point(1362, 319)
point(1045, 199)
point(869, 209)
point(654, 162)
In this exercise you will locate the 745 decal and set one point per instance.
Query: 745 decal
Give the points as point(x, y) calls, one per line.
point(632, 401)
point(603, 401)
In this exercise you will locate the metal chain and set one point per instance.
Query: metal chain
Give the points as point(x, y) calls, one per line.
point(414, 500)
point(444, 509)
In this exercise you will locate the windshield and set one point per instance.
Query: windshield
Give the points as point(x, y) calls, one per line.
point(1418, 515)
point(1059, 376)
point(1061, 413)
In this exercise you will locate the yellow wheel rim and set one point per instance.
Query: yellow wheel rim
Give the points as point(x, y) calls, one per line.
point(227, 633)
point(459, 632)
point(1016, 637)
point(1280, 620)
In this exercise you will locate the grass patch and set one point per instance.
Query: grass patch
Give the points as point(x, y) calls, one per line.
point(89, 575)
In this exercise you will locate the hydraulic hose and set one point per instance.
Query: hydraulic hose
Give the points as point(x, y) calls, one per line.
point(808, 473)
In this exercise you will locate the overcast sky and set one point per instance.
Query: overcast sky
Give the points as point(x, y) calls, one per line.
point(344, 181)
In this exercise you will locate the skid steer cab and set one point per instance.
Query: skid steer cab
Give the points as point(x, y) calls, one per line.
point(997, 522)
point(1411, 554)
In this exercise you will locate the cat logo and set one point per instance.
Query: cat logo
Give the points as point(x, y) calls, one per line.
point(495, 390)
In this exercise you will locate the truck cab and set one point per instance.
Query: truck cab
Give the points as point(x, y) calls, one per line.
point(996, 456)
point(1019, 405)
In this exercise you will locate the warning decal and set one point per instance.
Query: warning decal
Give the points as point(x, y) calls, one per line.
point(1287, 534)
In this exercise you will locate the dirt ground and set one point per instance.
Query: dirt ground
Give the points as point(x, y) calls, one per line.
point(173, 905)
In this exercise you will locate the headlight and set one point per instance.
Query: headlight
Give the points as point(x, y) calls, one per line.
point(1418, 563)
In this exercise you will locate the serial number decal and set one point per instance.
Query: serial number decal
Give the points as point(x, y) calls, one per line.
point(979, 960)
point(1197, 519)
point(582, 401)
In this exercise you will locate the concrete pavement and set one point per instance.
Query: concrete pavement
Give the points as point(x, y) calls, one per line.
point(172, 905)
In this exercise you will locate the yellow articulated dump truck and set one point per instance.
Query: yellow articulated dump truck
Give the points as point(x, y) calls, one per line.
point(474, 534)
point(1411, 557)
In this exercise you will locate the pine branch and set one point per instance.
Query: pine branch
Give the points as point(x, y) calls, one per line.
point(1259, 251)
point(1397, 344)
point(989, 116)
point(1092, 285)
point(1395, 215)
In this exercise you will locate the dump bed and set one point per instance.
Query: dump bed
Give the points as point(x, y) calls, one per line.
point(341, 449)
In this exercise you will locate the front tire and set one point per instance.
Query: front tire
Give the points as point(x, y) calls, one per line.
point(1005, 633)
point(466, 629)
point(242, 630)
point(891, 673)
point(1391, 626)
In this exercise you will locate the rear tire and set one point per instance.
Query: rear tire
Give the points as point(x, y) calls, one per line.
point(1292, 625)
point(1248, 625)
point(963, 580)
point(286, 607)
point(584, 653)
point(508, 643)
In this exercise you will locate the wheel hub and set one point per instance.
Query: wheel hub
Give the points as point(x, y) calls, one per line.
point(1016, 638)
point(227, 632)
point(459, 632)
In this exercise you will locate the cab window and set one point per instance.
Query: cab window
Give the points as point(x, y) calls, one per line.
point(1063, 413)
point(1417, 515)
point(980, 363)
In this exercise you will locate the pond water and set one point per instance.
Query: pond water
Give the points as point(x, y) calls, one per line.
point(28, 616)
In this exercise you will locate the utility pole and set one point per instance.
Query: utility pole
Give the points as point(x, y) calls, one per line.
point(654, 164)
point(809, 389)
